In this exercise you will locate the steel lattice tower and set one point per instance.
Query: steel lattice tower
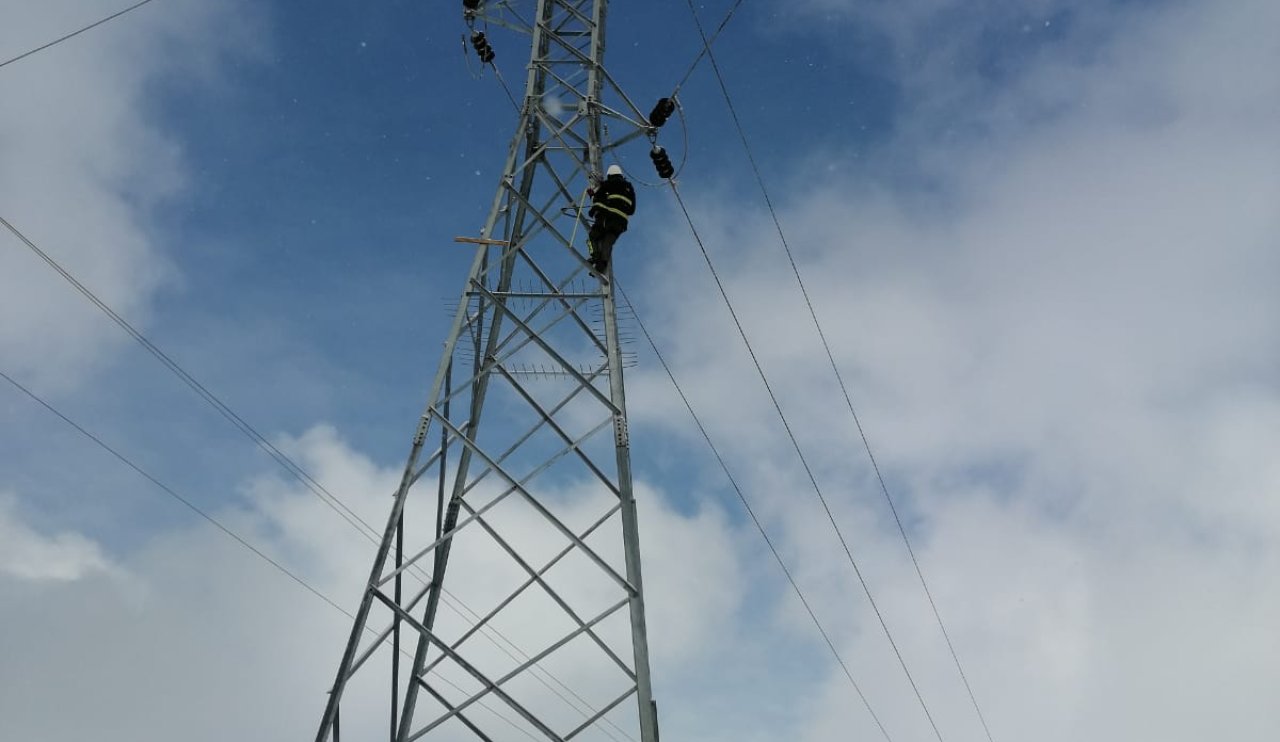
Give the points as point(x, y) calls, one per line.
point(524, 440)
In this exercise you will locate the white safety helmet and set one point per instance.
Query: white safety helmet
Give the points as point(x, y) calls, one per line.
point(613, 170)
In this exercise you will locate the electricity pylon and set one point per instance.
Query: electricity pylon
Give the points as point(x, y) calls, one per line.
point(535, 537)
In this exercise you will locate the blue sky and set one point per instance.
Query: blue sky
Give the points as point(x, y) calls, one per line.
point(324, 159)
point(1042, 237)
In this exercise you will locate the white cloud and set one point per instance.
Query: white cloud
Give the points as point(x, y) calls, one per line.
point(207, 642)
point(29, 555)
point(918, 39)
point(1064, 352)
point(86, 162)
point(266, 649)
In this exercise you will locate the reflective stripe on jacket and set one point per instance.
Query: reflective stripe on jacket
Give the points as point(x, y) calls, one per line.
point(616, 196)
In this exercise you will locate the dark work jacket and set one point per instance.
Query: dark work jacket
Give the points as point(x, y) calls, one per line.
point(615, 197)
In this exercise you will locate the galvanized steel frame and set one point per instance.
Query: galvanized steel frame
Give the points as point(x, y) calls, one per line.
point(549, 158)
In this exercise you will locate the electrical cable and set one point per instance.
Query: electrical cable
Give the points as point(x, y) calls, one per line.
point(211, 519)
point(59, 40)
point(235, 419)
point(803, 460)
point(751, 511)
point(706, 46)
point(276, 454)
point(266, 446)
point(505, 88)
point(848, 552)
point(318, 490)
point(755, 168)
point(169, 491)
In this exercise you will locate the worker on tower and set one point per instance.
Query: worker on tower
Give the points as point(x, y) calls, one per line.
point(612, 203)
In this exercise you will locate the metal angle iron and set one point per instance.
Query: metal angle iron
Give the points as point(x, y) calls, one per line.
point(515, 509)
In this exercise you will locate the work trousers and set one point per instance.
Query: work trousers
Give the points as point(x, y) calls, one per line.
point(604, 232)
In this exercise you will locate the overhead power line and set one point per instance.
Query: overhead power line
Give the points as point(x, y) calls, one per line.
point(724, 466)
point(706, 52)
point(75, 33)
point(715, 450)
point(706, 45)
point(172, 493)
point(804, 462)
point(226, 530)
point(332, 501)
point(755, 168)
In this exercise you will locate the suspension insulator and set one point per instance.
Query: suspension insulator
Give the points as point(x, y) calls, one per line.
point(481, 45)
point(662, 111)
point(661, 162)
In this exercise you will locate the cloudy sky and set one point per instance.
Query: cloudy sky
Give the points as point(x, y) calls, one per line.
point(1042, 236)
